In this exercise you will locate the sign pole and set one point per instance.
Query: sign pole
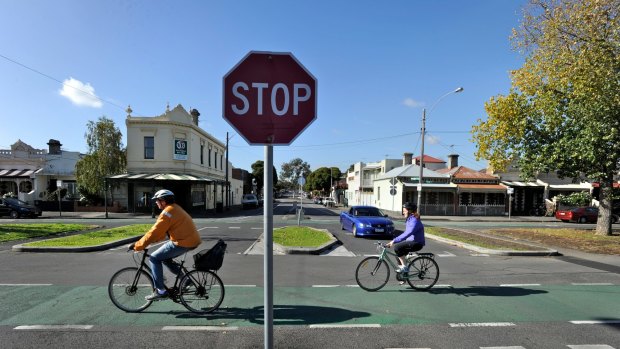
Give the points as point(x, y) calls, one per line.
point(268, 235)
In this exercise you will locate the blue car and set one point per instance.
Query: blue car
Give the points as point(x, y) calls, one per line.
point(366, 221)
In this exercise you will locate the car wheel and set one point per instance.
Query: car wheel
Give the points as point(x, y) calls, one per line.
point(342, 226)
point(14, 214)
point(614, 218)
point(582, 220)
point(354, 230)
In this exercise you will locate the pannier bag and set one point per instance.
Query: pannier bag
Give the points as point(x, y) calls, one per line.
point(210, 259)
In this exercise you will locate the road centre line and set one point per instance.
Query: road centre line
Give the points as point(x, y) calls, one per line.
point(209, 228)
point(511, 347)
point(234, 227)
point(240, 285)
point(200, 328)
point(482, 324)
point(345, 326)
point(54, 327)
point(590, 346)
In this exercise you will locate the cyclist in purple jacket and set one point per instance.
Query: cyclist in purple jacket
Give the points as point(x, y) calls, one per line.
point(412, 239)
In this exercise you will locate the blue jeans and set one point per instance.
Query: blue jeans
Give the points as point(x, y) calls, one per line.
point(163, 255)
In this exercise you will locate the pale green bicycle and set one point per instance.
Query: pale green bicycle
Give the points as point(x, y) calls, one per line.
point(374, 272)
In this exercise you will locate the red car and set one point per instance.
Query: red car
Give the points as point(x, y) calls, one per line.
point(581, 215)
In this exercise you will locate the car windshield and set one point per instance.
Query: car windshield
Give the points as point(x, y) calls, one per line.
point(368, 212)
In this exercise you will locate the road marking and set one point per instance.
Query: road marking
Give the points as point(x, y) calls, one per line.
point(482, 324)
point(210, 228)
point(446, 254)
point(512, 347)
point(518, 285)
point(595, 322)
point(54, 327)
point(592, 284)
point(200, 328)
point(346, 326)
point(26, 284)
point(257, 228)
point(325, 286)
point(479, 255)
point(351, 285)
point(240, 285)
point(234, 227)
point(590, 346)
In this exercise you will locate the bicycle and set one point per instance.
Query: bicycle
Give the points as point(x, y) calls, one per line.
point(373, 272)
point(202, 291)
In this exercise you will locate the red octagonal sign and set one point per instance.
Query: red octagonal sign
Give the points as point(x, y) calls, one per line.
point(269, 98)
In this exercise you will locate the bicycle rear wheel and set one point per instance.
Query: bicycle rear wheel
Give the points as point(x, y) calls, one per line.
point(372, 274)
point(203, 291)
point(423, 273)
point(128, 287)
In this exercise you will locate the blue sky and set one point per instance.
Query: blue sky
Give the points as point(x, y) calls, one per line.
point(378, 63)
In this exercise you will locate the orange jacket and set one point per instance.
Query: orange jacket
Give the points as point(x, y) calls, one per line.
point(179, 226)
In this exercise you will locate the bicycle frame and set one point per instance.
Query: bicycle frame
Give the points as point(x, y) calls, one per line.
point(173, 290)
point(384, 256)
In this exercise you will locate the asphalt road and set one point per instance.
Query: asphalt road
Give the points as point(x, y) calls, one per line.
point(59, 299)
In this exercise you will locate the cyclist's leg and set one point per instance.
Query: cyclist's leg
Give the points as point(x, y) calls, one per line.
point(163, 254)
point(403, 248)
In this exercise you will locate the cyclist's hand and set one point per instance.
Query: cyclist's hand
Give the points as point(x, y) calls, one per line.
point(389, 244)
point(132, 246)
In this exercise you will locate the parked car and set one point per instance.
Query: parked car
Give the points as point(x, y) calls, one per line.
point(366, 221)
point(16, 208)
point(582, 215)
point(329, 202)
point(249, 201)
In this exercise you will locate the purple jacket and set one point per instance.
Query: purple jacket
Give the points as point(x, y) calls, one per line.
point(414, 231)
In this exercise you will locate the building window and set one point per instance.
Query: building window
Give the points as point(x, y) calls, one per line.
point(215, 160)
point(202, 154)
point(209, 157)
point(222, 161)
point(149, 147)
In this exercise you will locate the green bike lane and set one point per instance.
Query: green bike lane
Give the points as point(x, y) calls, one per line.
point(303, 306)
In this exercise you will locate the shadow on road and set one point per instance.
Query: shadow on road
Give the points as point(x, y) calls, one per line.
point(486, 291)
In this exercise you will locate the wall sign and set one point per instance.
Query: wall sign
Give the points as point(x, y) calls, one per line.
point(180, 149)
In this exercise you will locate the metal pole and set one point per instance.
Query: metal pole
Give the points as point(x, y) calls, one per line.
point(105, 196)
point(227, 184)
point(268, 257)
point(421, 161)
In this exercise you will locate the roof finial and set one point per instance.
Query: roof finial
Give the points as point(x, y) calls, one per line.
point(167, 106)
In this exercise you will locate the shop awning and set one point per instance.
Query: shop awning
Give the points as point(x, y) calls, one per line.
point(161, 177)
point(430, 186)
point(580, 186)
point(481, 188)
point(17, 173)
point(522, 184)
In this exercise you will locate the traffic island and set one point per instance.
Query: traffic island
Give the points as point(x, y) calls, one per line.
point(281, 249)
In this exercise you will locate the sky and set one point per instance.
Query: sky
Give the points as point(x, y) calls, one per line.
point(378, 64)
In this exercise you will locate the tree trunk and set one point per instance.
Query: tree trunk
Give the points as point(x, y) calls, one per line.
point(603, 224)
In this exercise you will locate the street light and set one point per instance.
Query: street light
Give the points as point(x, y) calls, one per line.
point(460, 89)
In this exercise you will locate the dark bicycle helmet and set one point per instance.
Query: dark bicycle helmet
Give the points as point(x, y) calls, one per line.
point(410, 206)
point(161, 194)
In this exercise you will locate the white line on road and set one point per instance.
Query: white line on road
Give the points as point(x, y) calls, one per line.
point(346, 326)
point(592, 284)
point(54, 327)
point(257, 228)
point(595, 322)
point(518, 285)
point(234, 227)
point(590, 346)
point(446, 254)
point(482, 324)
point(512, 347)
point(325, 286)
point(200, 328)
point(209, 228)
point(26, 284)
point(479, 255)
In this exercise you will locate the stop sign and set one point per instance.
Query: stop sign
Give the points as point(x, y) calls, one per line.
point(269, 98)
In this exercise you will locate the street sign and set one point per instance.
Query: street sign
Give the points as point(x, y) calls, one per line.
point(269, 98)
point(510, 190)
point(393, 190)
point(393, 181)
point(301, 181)
point(180, 149)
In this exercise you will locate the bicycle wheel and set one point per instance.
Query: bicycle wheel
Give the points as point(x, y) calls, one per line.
point(372, 274)
point(423, 273)
point(128, 287)
point(203, 291)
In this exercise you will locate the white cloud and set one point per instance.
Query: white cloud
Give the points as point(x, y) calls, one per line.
point(430, 139)
point(80, 94)
point(411, 103)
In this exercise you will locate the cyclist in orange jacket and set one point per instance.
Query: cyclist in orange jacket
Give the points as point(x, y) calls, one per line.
point(173, 223)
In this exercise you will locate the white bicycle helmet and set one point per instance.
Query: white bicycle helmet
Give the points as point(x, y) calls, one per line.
point(162, 193)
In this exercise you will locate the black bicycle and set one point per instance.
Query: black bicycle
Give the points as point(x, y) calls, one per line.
point(202, 291)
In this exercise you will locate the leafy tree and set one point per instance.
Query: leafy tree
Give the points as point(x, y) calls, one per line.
point(292, 170)
point(575, 199)
point(322, 179)
point(258, 170)
point(106, 156)
point(563, 110)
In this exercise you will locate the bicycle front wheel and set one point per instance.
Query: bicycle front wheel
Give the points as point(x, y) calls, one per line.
point(128, 287)
point(423, 273)
point(372, 274)
point(202, 291)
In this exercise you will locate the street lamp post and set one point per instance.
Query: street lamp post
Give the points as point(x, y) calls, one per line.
point(460, 89)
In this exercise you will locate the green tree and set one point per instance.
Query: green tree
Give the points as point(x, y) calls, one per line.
point(106, 156)
point(292, 170)
point(258, 170)
point(322, 179)
point(563, 110)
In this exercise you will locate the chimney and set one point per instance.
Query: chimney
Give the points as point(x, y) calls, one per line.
point(195, 114)
point(407, 159)
point(453, 161)
point(54, 147)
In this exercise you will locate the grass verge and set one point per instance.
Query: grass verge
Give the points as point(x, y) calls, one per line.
point(480, 240)
point(12, 232)
point(300, 236)
point(94, 238)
